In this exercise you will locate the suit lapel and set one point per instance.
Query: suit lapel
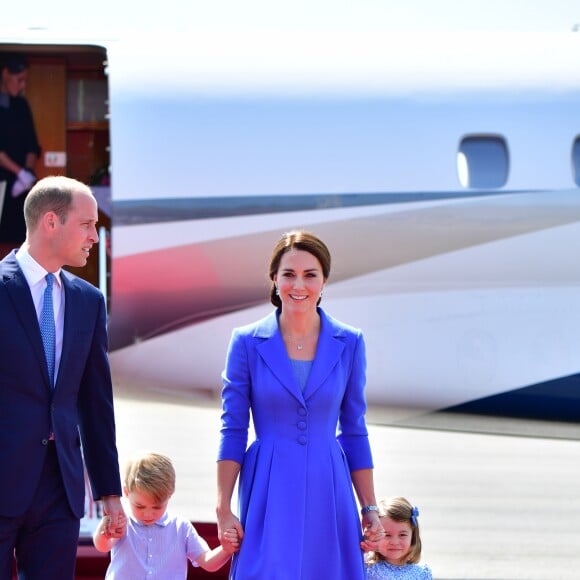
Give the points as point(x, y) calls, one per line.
point(273, 352)
point(19, 292)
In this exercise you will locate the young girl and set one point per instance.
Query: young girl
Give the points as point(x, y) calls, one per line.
point(396, 554)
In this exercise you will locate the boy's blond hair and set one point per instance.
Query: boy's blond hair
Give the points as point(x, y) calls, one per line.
point(152, 473)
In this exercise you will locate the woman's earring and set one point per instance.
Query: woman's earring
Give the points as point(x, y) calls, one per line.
point(277, 291)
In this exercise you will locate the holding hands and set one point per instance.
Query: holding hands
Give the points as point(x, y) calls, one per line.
point(107, 532)
point(373, 531)
point(110, 530)
point(371, 524)
point(230, 532)
point(231, 542)
point(114, 522)
point(368, 545)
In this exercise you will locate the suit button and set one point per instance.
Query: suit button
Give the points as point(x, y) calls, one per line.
point(302, 440)
point(302, 411)
point(45, 441)
point(302, 425)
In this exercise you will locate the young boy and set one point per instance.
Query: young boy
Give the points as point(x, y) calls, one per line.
point(156, 545)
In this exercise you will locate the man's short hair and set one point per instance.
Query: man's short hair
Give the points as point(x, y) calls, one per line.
point(52, 193)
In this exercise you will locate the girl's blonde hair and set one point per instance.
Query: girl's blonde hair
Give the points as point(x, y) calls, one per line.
point(399, 509)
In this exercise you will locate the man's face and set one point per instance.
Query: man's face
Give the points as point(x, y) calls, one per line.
point(75, 238)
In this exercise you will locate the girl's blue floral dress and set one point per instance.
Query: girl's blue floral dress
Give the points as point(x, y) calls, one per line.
point(383, 570)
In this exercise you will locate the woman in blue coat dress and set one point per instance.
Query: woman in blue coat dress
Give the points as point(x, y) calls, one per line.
point(301, 374)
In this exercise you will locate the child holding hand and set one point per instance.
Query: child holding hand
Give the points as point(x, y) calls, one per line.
point(156, 544)
point(395, 555)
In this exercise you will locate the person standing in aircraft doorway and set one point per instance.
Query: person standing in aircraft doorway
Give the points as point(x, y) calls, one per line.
point(19, 150)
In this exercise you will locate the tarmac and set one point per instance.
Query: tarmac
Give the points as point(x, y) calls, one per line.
point(492, 506)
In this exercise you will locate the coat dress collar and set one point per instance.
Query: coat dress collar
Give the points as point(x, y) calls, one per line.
point(273, 351)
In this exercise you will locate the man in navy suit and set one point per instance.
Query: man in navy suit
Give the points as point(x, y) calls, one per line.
point(44, 423)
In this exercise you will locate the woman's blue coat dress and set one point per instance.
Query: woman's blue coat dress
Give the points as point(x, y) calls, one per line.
point(297, 504)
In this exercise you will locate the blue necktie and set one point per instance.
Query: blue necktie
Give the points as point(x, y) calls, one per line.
point(47, 328)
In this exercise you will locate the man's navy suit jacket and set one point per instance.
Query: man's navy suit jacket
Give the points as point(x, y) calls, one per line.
point(79, 409)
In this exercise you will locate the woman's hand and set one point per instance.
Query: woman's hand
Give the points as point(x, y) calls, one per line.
point(230, 532)
point(372, 528)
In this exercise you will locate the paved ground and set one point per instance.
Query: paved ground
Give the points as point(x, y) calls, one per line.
point(492, 506)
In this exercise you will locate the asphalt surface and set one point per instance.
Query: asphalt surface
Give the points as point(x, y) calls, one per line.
point(491, 506)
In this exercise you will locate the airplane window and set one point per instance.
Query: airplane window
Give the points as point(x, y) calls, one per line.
point(482, 161)
point(576, 160)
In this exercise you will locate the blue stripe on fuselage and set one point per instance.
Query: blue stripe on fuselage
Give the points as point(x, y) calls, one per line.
point(162, 210)
point(554, 400)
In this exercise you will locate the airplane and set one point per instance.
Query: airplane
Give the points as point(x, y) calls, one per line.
point(442, 171)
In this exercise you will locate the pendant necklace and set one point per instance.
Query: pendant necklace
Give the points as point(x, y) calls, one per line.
point(299, 345)
point(300, 342)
